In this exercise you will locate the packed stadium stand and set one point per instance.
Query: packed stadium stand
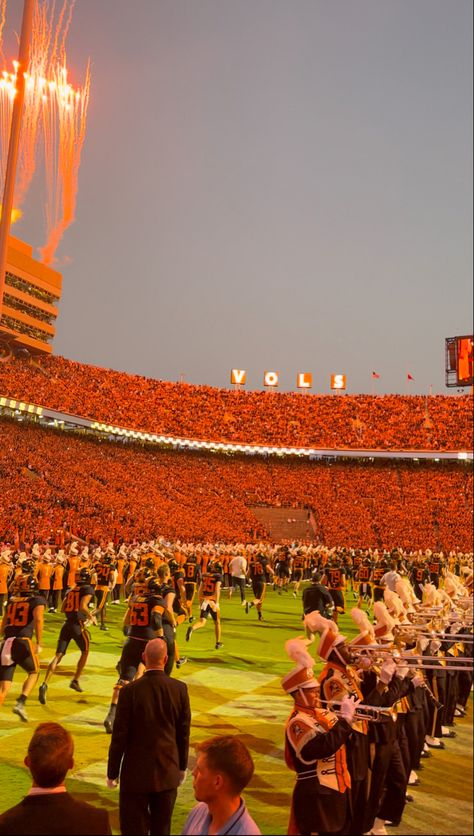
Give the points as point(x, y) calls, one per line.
point(51, 480)
point(389, 422)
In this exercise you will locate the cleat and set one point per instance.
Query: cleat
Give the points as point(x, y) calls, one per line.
point(191, 619)
point(74, 684)
point(103, 627)
point(182, 661)
point(19, 710)
point(295, 595)
point(42, 693)
point(260, 616)
point(409, 798)
point(219, 645)
point(246, 607)
point(189, 633)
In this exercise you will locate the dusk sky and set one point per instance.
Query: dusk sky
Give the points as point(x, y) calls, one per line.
point(269, 184)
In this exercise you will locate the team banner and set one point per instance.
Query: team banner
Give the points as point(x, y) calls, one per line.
point(238, 376)
point(270, 379)
point(304, 380)
point(338, 381)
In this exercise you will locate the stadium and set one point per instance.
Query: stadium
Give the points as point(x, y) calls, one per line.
point(285, 574)
point(128, 443)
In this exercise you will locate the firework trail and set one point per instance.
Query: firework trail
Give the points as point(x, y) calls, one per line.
point(54, 119)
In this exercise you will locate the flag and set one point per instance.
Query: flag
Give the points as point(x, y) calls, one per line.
point(375, 375)
point(409, 376)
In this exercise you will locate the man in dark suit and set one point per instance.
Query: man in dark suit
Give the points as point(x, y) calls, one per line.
point(48, 808)
point(149, 746)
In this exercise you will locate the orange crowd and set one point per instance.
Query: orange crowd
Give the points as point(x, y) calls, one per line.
point(267, 418)
point(52, 480)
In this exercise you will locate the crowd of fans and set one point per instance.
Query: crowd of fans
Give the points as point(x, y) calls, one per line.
point(269, 418)
point(52, 480)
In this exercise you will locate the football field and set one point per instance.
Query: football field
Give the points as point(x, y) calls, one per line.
point(235, 690)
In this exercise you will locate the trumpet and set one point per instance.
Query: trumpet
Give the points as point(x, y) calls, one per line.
point(372, 713)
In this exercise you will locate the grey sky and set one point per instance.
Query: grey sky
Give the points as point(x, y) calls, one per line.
point(270, 184)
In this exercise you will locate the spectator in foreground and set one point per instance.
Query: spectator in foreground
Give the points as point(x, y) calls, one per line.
point(48, 808)
point(223, 769)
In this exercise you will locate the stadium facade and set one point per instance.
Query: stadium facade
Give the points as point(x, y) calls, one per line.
point(30, 302)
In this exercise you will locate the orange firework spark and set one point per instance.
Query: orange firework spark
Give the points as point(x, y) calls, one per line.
point(54, 111)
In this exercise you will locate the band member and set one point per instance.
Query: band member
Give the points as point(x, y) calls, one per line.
point(58, 580)
point(315, 749)
point(43, 574)
point(6, 574)
point(75, 608)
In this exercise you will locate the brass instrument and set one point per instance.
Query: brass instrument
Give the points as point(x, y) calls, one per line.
point(372, 713)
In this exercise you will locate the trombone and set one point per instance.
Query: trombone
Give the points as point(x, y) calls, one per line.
point(408, 660)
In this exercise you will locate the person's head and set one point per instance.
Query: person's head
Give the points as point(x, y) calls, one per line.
point(50, 755)
point(224, 767)
point(164, 572)
point(155, 654)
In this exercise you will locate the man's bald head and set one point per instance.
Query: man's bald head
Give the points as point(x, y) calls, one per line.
point(155, 654)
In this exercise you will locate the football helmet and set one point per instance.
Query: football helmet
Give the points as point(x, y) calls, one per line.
point(28, 566)
point(83, 575)
point(26, 584)
point(149, 563)
point(153, 587)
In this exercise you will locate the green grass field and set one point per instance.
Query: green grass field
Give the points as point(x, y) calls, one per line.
point(232, 690)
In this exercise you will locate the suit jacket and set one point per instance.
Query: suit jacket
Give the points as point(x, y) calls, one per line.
point(150, 738)
point(54, 814)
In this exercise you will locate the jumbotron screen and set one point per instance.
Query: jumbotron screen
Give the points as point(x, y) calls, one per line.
point(459, 370)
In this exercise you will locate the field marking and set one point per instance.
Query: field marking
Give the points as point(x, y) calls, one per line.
point(230, 680)
point(254, 707)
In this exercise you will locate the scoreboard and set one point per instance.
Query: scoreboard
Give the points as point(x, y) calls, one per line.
point(458, 365)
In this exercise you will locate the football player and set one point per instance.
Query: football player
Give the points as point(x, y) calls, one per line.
point(191, 578)
point(75, 608)
point(142, 622)
point(23, 616)
point(209, 594)
point(106, 576)
point(259, 570)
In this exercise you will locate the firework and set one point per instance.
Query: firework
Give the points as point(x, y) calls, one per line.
point(54, 119)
